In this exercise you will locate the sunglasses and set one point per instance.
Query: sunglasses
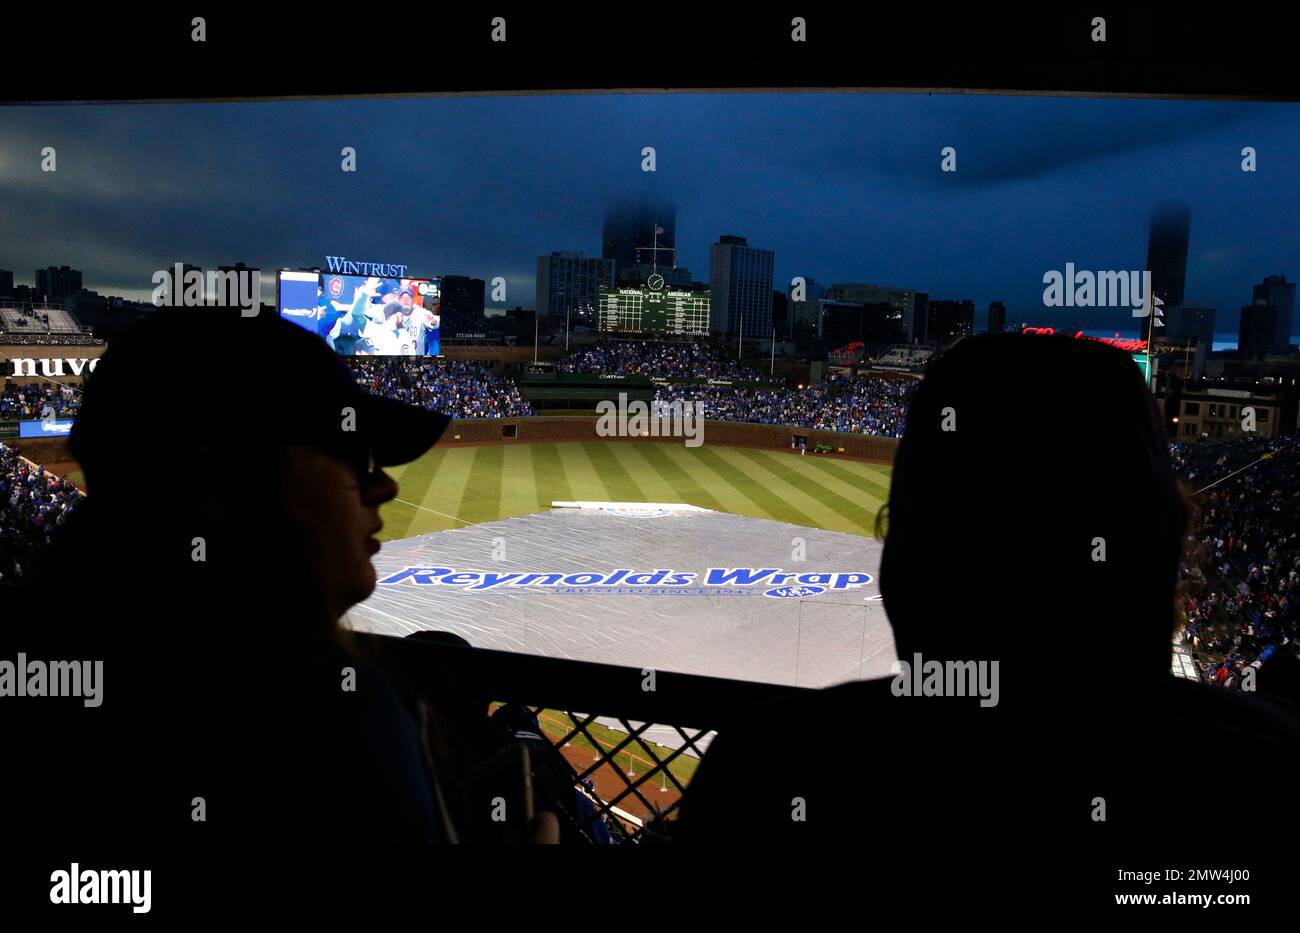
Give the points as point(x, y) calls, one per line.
point(362, 461)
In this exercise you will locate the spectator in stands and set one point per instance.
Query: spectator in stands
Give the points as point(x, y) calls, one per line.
point(1033, 514)
point(693, 359)
point(873, 405)
point(33, 504)
point(29, 402)
point(217, 616)
point(458, 388)
point(1240, 580)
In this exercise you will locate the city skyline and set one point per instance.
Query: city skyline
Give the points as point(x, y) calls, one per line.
point(841, 187)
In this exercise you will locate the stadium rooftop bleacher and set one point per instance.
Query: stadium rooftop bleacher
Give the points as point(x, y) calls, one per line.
point(29, 323)
point(38, 319)
point(905, 356)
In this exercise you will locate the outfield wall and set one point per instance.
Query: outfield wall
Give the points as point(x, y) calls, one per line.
point(576, 428)
point(42, 449)
point(722, 433)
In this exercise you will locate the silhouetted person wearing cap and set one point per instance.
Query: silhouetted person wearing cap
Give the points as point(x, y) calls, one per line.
point(234, 474)
point(1035, 521)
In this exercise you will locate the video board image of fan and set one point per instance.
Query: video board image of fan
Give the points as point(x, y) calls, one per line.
point(361, 315)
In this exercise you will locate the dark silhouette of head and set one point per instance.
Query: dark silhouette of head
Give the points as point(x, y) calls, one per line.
point(226, 454)
point(1033, 512)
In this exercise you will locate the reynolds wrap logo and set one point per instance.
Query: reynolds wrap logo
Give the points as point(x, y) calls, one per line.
point(780, 584)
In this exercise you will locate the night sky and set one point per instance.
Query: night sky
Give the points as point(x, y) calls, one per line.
point(844, 187)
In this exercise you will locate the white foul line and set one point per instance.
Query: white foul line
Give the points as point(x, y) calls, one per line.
point(434, 511)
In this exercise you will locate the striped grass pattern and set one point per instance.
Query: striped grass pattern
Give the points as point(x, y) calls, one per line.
point(452, 487)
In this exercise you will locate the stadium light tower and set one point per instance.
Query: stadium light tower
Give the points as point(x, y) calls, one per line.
point(1155, 318)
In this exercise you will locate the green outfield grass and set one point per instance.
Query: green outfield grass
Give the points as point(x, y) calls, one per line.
point(452, 487)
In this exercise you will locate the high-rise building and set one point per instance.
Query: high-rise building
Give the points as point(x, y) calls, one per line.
point(462, 304)
point(844, 322)
point(1257, 331)
point(949, 320)
point(806, 317)
point(54, 283)
point(568, 285)
point(913, 305)
point(997, 317)
point(812, 290)
point(740, 279)
point(629, 234)
point(6, 282)
point(780, 314)
point(1275, 290)
point(1167, 251)
point(1186, 321)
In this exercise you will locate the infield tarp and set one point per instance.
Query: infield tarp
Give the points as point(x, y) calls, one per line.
point(809, 635)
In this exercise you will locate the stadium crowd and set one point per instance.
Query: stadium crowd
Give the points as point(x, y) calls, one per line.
point(32, 504)
point(873, 405)
point(453, 387)
point(28, 402)
point(694, 359)
point(1240, 577)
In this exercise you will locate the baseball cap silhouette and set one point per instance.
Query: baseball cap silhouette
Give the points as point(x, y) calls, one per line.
point(209, 382)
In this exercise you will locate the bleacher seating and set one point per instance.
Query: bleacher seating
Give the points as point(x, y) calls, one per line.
point(39, 320)
point(906, 356)
point(36, 324)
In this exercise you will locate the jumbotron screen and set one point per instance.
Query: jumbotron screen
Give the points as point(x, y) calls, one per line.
point(360, 315)
point(650, 310)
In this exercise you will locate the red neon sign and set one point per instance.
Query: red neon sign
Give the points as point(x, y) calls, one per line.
point(1128, 345)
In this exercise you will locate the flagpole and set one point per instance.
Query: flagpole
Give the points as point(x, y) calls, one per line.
point(772, 370)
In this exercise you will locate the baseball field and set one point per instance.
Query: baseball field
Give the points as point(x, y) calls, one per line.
point(454, 487)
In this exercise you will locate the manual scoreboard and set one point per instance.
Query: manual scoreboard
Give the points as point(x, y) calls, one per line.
point(653, 309)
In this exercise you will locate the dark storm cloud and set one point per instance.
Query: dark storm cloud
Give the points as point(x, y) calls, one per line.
point(844, 187)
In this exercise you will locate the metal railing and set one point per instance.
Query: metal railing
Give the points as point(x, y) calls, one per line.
point(633, 750)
